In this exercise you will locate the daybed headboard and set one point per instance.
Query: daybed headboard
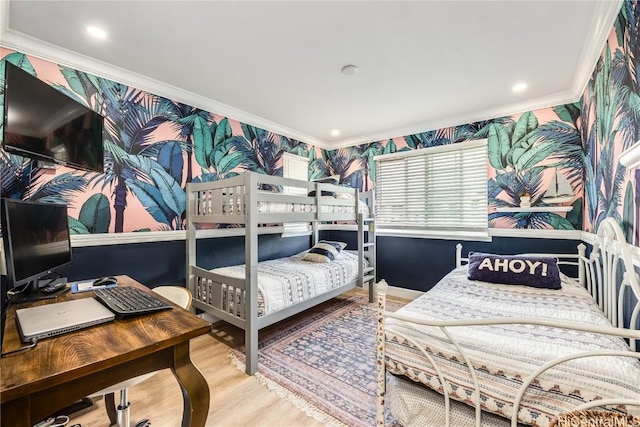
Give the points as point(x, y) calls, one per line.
point(599, 273)
point(602, 274)
point(573, 259)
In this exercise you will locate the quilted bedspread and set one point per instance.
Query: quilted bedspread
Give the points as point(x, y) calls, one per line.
point(505, 354)
point(284, 282)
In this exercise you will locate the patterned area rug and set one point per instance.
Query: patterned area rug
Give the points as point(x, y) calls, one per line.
point(324, 360)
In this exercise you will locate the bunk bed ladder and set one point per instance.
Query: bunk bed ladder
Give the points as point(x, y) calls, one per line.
point(367, 246)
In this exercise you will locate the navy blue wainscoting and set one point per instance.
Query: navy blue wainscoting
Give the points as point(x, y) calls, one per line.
point(225, 251)
point(164, 263)
point(150, 263)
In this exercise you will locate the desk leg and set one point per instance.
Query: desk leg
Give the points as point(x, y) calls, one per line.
point(195, 390)
point(17, 413)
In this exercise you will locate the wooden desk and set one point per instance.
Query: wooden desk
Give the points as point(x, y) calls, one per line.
point(62, 370)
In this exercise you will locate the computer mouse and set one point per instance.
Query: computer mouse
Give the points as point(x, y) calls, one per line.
point(104, 281)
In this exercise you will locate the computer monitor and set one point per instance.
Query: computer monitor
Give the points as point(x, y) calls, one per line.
point(36, 242)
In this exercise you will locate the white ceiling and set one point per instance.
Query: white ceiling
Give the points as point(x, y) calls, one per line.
point(423, 65)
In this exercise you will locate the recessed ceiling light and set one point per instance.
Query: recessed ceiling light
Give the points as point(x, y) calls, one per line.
point(349, 69)
point(519, 87)
point(96, 32)
point(335, 132)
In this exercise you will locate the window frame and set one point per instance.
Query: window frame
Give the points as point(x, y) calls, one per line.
point(479, 233)
point(292, 229)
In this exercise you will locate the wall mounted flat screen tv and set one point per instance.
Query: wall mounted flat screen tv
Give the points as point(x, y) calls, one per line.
point(44, 124)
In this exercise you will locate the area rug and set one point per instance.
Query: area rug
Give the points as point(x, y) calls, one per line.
point(324, 360)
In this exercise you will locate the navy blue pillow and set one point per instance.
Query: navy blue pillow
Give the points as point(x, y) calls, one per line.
point(328, 180)
point(527, 270)
point(333, 179)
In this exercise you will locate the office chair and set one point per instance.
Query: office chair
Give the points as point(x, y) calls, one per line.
point(120, 415)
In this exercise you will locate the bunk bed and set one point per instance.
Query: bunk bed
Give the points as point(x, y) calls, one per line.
point(486, 352)
point(255, 295)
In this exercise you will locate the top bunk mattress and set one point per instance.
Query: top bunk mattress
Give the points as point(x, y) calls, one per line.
point(284, 282)
point(504, 355)
point(231, 206)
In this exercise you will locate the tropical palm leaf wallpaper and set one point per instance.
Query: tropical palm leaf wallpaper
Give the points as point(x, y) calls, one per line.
point(610, 124)
point(154, 146)
point(525, 152)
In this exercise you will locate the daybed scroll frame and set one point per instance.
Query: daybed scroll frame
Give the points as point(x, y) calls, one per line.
point(238, 200)
point(597, 273)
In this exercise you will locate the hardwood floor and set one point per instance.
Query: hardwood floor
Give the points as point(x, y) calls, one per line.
point(237, 399)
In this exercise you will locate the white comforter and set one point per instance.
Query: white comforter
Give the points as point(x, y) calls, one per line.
point(503, 355)
point(287, 281)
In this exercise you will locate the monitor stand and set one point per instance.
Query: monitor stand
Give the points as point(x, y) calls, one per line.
point(42, 289)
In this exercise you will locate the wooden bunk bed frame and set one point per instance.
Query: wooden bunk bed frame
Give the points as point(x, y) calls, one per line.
point(598, 273)
point(239, 200)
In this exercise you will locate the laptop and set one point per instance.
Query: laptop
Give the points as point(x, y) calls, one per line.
point(49, 320)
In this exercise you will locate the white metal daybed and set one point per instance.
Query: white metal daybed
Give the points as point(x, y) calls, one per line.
point(497, 347)
point(255, 295)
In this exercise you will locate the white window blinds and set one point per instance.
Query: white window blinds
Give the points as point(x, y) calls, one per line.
point(295, 167)
point(439, 189)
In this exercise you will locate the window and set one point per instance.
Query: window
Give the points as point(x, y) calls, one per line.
point(438, 190)
point(295, 167)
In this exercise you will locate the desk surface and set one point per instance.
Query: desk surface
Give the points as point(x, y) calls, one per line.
point(72, 357)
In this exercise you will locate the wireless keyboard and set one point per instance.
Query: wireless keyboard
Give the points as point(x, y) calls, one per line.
point(127, 301)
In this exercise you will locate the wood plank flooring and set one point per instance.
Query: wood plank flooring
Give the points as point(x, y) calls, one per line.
point(237, 399)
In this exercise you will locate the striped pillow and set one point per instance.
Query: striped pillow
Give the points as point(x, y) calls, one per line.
point(321, 252)
point(338, 245)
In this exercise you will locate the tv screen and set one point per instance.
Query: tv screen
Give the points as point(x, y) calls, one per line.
point(44, 124)
point(36, 239)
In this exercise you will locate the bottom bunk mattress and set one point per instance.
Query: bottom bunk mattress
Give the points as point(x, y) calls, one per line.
point(285, 282)
point(504, 355)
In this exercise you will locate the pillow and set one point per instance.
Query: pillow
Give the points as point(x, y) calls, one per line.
point(345, 196)
point(338, 245)
point(527, 270)
point(321, 252)
point(333, 179)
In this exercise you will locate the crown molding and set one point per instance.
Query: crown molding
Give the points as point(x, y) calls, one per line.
point(608, 12)
point(451, 121)
point(67, 58)
point(23, 43)
point(603, 21)
point(592, 49)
